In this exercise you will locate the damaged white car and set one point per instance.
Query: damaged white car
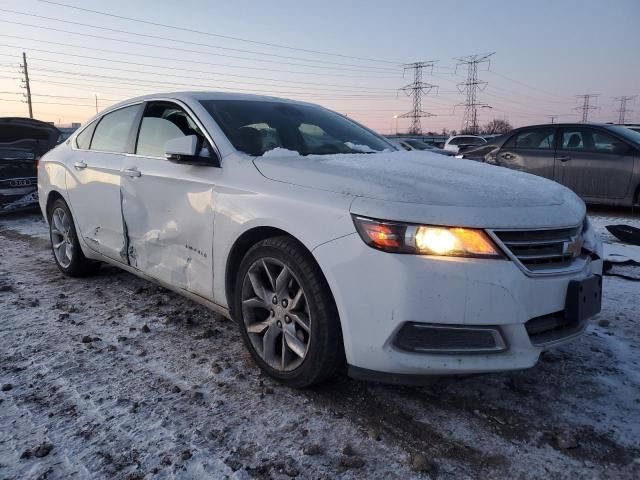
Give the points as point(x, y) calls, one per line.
point(329, 248)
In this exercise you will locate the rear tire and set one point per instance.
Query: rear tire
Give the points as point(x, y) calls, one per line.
point(65, 247)
point(287, 315)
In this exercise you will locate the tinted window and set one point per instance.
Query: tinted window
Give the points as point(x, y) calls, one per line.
point(537, 139)
point(604, 143)
point(591, 140)
point(573, 140)
point(112, 133)
point(255, 127)
point(83, 140)
point(164, 121)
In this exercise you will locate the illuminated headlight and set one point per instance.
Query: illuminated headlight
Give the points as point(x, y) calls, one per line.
point(425, 239)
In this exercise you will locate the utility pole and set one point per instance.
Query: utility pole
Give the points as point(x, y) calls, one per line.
point(586, 107)
point(553, 118)
point(415, 90)
point(622, 111)
point(96, 95)
point(472, 86)
point(25, 83)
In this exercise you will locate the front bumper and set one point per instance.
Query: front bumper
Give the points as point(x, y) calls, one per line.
point(377, 293)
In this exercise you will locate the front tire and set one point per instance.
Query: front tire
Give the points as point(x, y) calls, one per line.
point(64, 242)
point(287, 315)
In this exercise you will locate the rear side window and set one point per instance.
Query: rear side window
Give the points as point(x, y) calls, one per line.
point(592, 140)
point(467, 141)
point(164, 121)
point(83, 140)
point(537, 139)
point(603, 143)
point(113, 131)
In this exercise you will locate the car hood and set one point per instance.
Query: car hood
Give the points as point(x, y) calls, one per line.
point(423, 186)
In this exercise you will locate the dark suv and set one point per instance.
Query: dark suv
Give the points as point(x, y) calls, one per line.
point(22, 142)
point(601, 163)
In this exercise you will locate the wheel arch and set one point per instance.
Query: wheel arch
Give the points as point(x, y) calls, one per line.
point(51, 198)
point(242, 245)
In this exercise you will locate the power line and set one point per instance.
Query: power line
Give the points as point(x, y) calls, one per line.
point(585, 108)
point(209, 73)
point(157, 37)
point(200, 52)
point(181, 85)
point(228, 37)
point(415, 90)
point(173, 67)
point(623, 110)
point(471, 87)
point(120, 52)
point(26, 84)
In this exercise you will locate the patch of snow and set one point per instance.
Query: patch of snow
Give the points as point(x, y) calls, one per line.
point(280, 152)
point(614, 250)
point(26, 223)
point(360, 148)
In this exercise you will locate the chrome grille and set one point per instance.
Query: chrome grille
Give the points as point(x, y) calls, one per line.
point(540, 250)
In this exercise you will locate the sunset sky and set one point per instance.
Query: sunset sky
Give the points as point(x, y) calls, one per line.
point(346, 55)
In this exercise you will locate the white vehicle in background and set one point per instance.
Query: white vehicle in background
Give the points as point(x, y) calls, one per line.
point(328, 249)
point(454, 143)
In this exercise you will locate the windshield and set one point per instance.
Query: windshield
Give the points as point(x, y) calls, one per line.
point(626, 132)
point(255, 127)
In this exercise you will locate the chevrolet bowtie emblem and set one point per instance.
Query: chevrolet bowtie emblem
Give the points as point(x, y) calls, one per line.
point(573, 247)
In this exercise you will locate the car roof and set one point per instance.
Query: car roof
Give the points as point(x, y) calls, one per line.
point(206, 95)
point(569, 124)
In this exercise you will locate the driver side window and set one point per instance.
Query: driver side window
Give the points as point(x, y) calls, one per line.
point(164, 121)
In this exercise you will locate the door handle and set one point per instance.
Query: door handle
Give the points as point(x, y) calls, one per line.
point(563, 158)
point(80, 165)
point(132, 172)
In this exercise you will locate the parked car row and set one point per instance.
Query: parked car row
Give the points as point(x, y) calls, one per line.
point(329, 247)
point(600, 162)
point(413, 144)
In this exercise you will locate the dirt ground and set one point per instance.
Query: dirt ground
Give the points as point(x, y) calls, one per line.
point(113, 377)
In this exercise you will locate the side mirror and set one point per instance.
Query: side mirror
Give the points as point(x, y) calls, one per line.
point(185, 150)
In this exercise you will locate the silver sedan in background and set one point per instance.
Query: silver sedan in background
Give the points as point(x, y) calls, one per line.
point(599, 162)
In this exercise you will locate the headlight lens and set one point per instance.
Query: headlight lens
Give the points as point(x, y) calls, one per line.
point(425, 240)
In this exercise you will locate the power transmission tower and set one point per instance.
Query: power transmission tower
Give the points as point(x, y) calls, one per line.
point(586, 107)
point(25, 83)
point(471, 87)
point(415, 90)
point(622, 111)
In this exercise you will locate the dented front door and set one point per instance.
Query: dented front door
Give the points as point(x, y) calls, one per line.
point(168, 220)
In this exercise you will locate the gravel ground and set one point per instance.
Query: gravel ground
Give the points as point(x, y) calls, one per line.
point(113, 377)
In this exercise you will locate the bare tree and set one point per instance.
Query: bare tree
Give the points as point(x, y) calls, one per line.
point(497, 125)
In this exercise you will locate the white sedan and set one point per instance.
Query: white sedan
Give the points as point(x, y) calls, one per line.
point(454, 143)
point(329, 249)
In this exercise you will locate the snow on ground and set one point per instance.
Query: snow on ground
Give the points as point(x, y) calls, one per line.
point(113, 377)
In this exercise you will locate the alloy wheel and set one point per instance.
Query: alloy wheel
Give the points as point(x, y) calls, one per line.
point(62, 237)
point(276, 314)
